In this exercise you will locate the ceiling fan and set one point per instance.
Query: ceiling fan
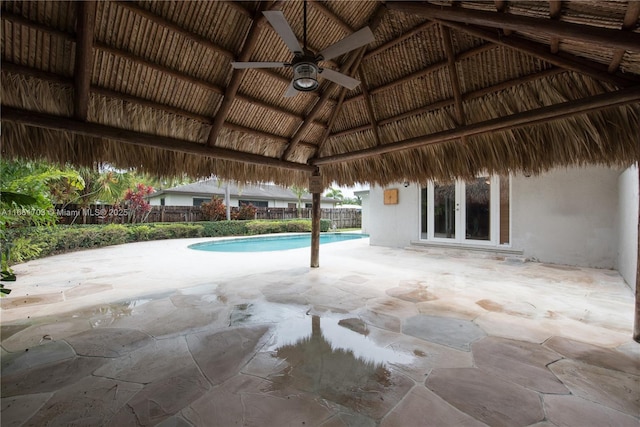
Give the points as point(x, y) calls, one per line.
point(305, 63)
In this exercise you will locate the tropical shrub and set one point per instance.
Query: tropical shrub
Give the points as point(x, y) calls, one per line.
point(215, 210)
point(245, 212)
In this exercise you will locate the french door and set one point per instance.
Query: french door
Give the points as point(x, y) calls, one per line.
point(467, 212)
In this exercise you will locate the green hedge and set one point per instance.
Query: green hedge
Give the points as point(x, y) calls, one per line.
point(37, 242)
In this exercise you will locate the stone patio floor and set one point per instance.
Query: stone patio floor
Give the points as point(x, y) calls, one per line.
point(156, 333)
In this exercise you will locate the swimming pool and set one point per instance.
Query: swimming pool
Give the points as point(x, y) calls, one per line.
point(272, 243)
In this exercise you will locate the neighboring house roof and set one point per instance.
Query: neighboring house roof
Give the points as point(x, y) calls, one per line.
point(209, 187)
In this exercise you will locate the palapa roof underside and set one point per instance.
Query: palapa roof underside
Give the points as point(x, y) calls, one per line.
point(448, 88)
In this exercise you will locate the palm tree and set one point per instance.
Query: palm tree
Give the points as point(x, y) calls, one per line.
point(299, 192)
point(335, 193)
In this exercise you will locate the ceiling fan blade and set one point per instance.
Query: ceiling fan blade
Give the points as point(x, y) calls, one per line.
point(291, 91)
point(279, 23)
point(339, 78)
point(240, 65)
point(358, 39)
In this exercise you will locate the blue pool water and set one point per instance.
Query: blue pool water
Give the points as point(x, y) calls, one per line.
point(272, 243)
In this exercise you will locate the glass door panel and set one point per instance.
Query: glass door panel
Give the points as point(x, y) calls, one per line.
point(478, 209)
point(444, 211)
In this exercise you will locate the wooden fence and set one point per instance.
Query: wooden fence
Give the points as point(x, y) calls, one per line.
point(101, 214)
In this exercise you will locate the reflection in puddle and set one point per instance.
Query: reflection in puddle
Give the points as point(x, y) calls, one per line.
point(325, 356)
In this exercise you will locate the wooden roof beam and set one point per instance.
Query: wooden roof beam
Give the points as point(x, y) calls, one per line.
point(68, 81)
point(319, 105)
point(65, 124)
point(85, 23)
point(424, 72)
point(502, 6)
point(449, 102)
point(453, 75)
point(236, 77)
point(354, 61)
point(566, 30)
point(331, 15)
point(629, 23)
point(540, 115)
point(370, 110)
point(159, 20)
point(338, 109)
point(555, 11)
point(562, 59)
point(391, 43)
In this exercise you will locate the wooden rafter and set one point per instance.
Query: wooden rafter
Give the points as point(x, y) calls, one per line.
point(370, 110)
point(629, 23)
point(502, 6)
point(566, 30)
point(336, 112)
point(453, 75)
point(84, 58)
point(65, 124)
point(158, 20)
point(514, 121)
point(354, 61)
point(236, 77)
point(394, 42)
point(449, 102)
point(562, 59)
point(154, 66)
point(555, 11)
point(317, 108)
point(68, 81)
point(331, 15)
point(422, 73)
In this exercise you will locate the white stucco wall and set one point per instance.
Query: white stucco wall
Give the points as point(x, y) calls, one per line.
point(394, 225)
point(628, 225)
point(366, 210)
point(567, 216)
point(575, 216)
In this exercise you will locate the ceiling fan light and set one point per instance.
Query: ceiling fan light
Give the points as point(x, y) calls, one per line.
point(305, 77)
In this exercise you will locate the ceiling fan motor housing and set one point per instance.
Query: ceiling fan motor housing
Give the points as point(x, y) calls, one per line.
point(305, 72)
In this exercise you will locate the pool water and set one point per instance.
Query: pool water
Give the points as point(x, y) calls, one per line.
point(272, 243)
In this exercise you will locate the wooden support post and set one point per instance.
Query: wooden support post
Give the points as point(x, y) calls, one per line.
point(315, 222)
point(315, 231)
point(636, 325)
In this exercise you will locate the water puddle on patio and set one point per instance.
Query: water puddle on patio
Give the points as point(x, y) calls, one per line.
point(329, 354)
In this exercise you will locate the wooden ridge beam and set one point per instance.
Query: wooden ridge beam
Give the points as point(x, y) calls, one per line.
point(236, 77)
point(85, 22)
point(564, 30)
point(514, 121)
point(562, 59)
point(66, 124)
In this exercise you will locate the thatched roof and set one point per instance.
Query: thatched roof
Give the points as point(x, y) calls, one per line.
point(448, 88)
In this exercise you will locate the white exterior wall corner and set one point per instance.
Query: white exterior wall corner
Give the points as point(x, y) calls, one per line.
point(394, 225)
point(628, 199)
point(567, 216)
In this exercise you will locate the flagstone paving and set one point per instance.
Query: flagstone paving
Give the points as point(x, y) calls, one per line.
point(157, 334)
